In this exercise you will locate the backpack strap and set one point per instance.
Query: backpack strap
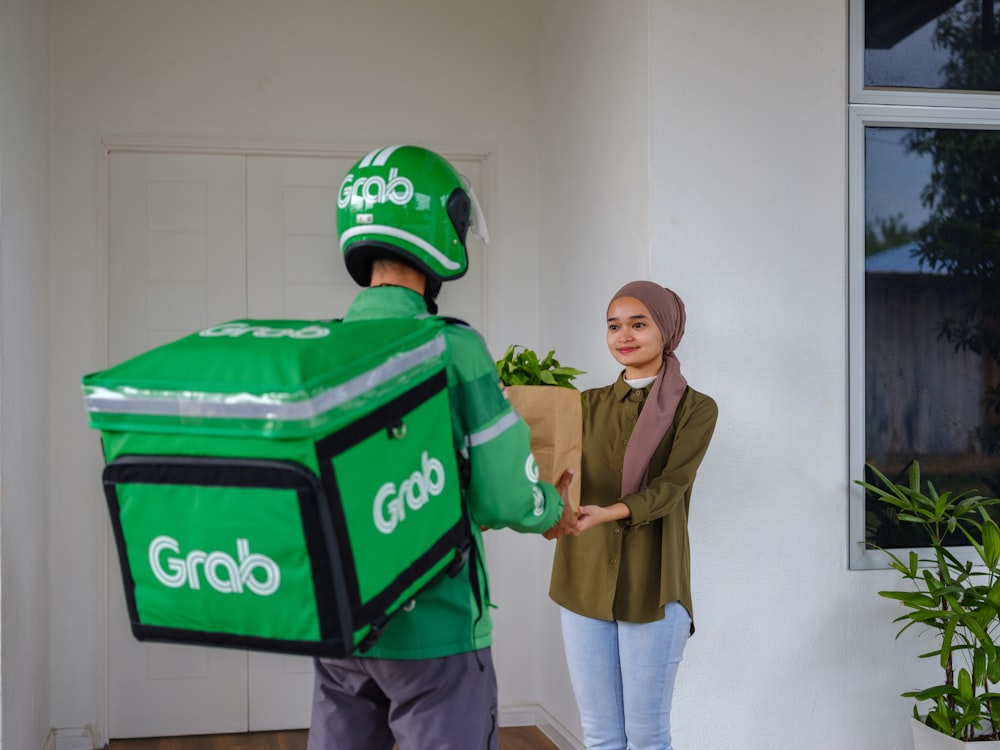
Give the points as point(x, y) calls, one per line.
point(465, 473)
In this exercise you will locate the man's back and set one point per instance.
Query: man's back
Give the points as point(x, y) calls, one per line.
point(445, 619)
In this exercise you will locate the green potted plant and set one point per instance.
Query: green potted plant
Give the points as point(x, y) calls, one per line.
point(541, 390)
point(956, 598)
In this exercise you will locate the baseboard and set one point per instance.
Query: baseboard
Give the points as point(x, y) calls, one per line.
point(525, 715)
point(533, 715)
point(72, 738)
point(530, 715)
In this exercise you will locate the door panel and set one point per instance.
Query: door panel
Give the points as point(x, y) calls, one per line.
point(279, 691)
point(176, 234)
point(294, 268)
point(177, 246)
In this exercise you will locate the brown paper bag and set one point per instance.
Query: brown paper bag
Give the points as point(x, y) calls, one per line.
point(555, 416)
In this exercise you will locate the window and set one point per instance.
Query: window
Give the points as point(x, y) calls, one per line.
point(931, 44)
point(924, 233)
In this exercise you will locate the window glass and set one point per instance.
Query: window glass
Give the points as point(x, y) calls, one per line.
point(931, 311)
point(933, 44)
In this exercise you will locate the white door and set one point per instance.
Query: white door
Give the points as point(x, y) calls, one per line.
point(177, 259)
point(293, 271)
point(196, 240)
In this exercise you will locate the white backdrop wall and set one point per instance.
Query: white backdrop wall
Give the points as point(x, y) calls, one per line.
point(593, 227)
point(25, 678)
point(747, 206)
point(700, 144)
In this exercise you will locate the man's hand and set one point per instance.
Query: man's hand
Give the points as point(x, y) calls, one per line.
point(567, 524)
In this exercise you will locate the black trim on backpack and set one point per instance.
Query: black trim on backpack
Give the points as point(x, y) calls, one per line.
point(456, 538)
point(465, 472)
point(352, 434)
point(471, 557)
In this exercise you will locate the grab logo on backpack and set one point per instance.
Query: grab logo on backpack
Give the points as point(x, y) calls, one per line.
point(389, 508)
point(180, 571)
point(236, 329)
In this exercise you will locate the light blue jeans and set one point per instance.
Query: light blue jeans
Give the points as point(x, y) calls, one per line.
point(623, 677)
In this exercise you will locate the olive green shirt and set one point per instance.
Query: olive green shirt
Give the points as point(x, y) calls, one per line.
point(628, 570)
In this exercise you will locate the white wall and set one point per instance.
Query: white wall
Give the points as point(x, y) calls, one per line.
point(24, 304)
point(593, 225)
point(748, 190)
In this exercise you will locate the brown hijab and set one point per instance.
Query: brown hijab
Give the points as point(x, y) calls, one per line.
point(667, 311)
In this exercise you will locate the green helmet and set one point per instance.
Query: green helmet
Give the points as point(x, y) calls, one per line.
point(407, 203)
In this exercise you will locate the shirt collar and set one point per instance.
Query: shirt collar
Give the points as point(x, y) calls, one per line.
point(386, 302)
point(622, 389)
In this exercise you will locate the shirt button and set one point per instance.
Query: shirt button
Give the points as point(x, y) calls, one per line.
point(614, 561)
point(618, 530)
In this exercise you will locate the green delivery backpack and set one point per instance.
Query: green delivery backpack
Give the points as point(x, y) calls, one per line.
point(281, 485)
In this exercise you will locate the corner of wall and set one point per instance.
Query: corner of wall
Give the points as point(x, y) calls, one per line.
point(72, 738)
point(533, 715)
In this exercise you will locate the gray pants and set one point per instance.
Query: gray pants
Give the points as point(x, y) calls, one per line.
point(449, 703)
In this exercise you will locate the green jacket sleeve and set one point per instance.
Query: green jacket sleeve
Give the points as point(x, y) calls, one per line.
point(503, 490)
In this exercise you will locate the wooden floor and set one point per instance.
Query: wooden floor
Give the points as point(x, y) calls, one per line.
point(511, 738)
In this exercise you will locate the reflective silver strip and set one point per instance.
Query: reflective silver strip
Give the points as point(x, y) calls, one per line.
point(262, 406)
point(495, 430)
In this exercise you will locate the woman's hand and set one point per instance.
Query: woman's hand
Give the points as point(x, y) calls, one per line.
point(593, 515)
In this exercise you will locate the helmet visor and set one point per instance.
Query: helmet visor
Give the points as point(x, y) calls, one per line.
point(478, 225)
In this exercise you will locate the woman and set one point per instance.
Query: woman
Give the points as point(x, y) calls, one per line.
point(624, 584)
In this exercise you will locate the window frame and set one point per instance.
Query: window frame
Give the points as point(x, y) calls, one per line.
point(858, 93)
point(883, 107)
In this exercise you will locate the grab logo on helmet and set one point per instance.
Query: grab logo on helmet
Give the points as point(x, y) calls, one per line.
point(366, 192)
point(175, 571)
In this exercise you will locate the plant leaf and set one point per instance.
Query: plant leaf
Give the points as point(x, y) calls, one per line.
point(521, 366)
point(991, 543)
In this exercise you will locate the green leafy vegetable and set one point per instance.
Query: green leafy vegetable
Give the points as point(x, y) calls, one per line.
point(521, 366)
